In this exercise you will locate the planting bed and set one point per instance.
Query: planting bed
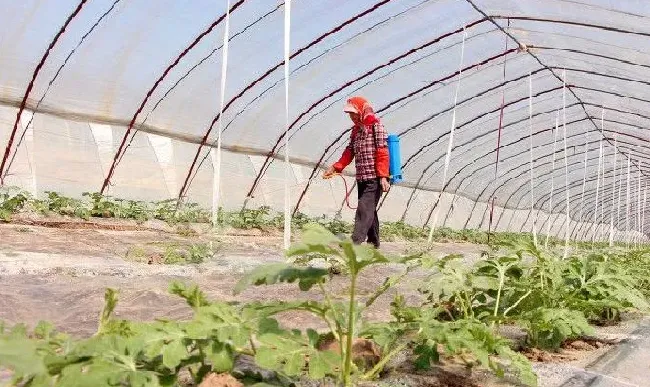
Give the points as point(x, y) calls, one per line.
point(58, 269)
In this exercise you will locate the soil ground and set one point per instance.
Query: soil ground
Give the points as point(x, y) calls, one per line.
point(57, 270)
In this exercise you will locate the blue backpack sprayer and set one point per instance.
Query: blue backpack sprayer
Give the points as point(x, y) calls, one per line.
point(394, 159)
point(394, 166)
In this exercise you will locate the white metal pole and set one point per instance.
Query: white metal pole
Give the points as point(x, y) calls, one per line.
point(566, 169)
point(600, 164)
point(611, 217)
point(584, 181)
point(450, 143)
point(638, 208)
point(216, 189)
point(550, 200)
point(627, 205)
point(532, 185)
point(287, 166)
point(618, 200)
point(645, 197)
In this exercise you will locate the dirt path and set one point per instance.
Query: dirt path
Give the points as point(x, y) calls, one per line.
point(60, 275)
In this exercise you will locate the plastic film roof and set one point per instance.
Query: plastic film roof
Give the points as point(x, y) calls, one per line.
point(158, 64)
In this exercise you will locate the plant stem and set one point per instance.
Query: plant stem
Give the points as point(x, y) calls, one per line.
point(502, 278)
point(541, 274)
point(461, 301)
point(387, 285)
point(244, 351)
point(335, 330)
point(347, 362)
point(516, 303)
point(250, 340)
point(380, 366)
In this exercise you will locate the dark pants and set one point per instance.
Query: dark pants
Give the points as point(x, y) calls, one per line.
point(366, 222)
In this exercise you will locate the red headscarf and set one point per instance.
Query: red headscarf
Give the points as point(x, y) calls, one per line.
point(362, 107)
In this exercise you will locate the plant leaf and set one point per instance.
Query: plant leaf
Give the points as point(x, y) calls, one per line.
point(221, 357)
point(21, 356)
point(282, 272)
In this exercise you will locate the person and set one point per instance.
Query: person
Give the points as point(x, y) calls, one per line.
point(368, 146)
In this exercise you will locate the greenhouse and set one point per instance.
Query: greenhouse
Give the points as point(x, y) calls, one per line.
point(188, 140)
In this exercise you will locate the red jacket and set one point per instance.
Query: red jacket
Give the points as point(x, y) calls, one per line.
point(371, 153)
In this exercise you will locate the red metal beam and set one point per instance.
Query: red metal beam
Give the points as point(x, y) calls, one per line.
point(204, 141)
point(431, 84)
point(155, 85)
point(366, 74)
point(31, 85)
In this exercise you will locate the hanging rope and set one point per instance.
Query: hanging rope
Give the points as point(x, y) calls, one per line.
point(216, 189)
point(584, 180)
point(532, 185)
point(611, 217)
point(638, 207)
point(450, 144)
point(645, 197)
point(600, 164)
point(618, 201)
point(287, 165)
point(503, 99)
point(601, 222)
point(550, 201)
point(627, 205)
point(566, 169)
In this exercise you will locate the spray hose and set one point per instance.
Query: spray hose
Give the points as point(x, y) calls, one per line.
point(347, 191)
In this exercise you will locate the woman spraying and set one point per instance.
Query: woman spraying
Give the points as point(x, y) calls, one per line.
point(369, 148)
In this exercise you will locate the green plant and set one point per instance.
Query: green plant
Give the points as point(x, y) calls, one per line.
point(552, 298)
point(198, 253)
point(594, 283)
point(102, 206)
point(165, 210)
point(63, 205)
point(469, 339)
point(298, 221)
point(136, 253)
point(11, 203)
point(250, 218)
point(336, 225)
point(185, 230)
point(173, 255)
point(153, 353)
point(451, 290)
point(170, 253)
point(464, 337)
point(502, 283)
point(637, 264)
point(474, 343)
point(133, 209)
point(549, 328)
point(342, 319)
point(602, 288)
point(401, 230)
point(190, 213)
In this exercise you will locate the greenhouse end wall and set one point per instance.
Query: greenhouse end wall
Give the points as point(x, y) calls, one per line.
point(73, 156)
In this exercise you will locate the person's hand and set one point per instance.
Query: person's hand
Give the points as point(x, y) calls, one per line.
point(385, 185)
point(329, 173)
